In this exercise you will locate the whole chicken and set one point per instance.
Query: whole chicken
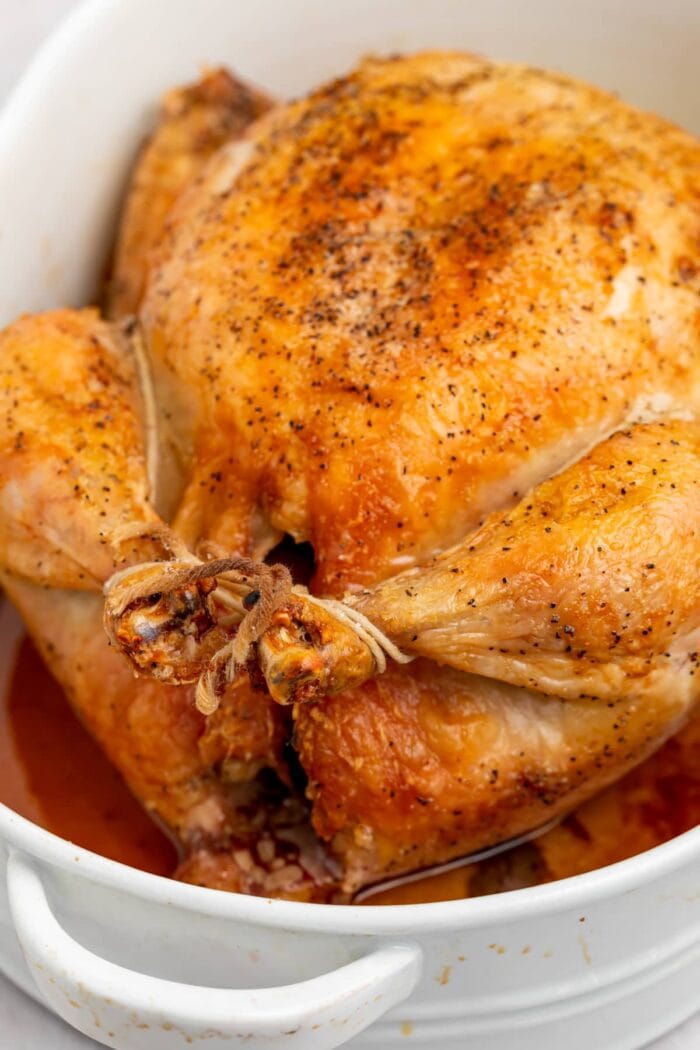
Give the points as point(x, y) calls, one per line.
point(439, 324)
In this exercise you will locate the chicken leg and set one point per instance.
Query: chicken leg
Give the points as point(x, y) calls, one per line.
point(586, 597)
point(587, 589)
point(561, 600)
point(73, 474)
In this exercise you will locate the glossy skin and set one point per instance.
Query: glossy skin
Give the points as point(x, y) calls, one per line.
point(586, 590)
point(74, 473)
point(394, 309)
point(72, 448)
point(425, 764)
point(193, 776)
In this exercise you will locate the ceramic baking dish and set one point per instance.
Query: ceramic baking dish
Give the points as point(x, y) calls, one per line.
point(604, 961)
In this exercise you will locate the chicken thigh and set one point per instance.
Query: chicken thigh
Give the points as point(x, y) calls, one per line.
point(440, 321)
point(73, 473)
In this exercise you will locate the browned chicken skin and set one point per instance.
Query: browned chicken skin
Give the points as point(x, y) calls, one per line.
point(440, 320)
point(195, 122)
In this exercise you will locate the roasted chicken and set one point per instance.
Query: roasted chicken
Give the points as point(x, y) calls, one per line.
point(437, 323)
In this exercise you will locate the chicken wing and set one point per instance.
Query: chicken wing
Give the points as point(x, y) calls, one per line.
point(194, 122)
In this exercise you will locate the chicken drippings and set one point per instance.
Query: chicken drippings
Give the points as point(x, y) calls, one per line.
point(46, 760)
point(46, 757)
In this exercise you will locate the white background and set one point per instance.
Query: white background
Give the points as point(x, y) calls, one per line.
point(23, 1024)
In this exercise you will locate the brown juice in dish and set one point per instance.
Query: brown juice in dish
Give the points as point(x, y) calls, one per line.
point(52, 772)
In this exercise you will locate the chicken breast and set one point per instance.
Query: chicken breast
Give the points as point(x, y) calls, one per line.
point(407, 299)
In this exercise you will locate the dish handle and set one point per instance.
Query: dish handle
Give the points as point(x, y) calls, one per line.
point(132, 1011)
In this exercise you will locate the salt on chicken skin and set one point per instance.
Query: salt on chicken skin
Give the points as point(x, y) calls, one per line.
point(73, 476)
point(587, 588)
point(73, 460)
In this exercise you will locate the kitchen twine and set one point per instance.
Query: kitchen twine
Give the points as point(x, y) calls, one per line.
point(252, 589)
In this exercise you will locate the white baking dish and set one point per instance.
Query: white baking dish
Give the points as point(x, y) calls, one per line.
point(605, 961)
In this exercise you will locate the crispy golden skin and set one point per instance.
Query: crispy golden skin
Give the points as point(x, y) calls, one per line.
point(377, 322)
point(194, 122)
point(425, 764)
point(416, 294)
point(72, 448)
point(585, 596)
point(587, 589)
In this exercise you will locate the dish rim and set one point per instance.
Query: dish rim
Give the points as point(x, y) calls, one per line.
point(572, 893)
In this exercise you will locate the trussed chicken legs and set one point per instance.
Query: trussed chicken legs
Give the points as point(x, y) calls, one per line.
point(440, 320)
point(73, 472)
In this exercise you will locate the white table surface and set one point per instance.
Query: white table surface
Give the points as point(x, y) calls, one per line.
point(23, 1024)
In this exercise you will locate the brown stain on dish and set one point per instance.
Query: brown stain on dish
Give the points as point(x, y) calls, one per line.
point(47, 758)
point(585, 950)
